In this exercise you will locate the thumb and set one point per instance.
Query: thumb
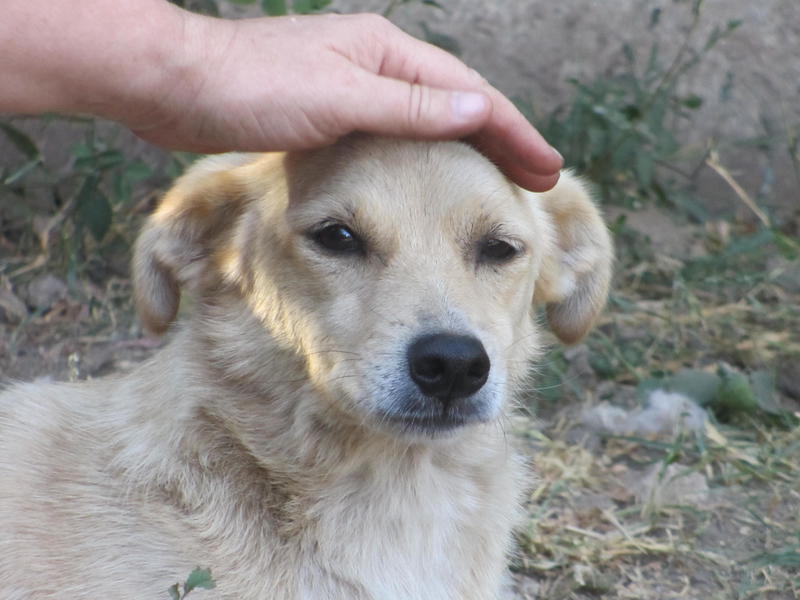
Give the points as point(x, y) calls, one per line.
point(398, 108)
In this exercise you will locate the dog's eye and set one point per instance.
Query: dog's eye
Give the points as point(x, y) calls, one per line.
point(338, 238)
point(495, 250)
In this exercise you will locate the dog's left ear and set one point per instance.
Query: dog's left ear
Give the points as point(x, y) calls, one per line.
point(576, 272)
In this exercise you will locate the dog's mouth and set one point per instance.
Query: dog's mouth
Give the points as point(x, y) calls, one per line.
point(431, 424)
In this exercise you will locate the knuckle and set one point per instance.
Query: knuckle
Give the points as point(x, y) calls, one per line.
point(419, 100)
point(374, 22)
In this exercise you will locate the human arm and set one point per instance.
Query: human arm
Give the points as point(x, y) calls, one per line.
point(189, 82)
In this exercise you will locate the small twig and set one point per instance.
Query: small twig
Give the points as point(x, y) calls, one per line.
point(713, 162)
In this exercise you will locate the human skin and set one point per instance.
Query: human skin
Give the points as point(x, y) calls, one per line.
point(189, 82)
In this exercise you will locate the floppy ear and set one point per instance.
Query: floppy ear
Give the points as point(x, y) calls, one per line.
point(172, 251)
point(575, 274)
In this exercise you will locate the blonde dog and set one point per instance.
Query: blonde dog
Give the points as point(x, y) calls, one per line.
point(329, 422)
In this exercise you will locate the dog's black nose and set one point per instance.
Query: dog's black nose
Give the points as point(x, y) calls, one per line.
point(447, 366)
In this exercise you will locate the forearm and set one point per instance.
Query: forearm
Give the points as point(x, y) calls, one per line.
point(100, 57)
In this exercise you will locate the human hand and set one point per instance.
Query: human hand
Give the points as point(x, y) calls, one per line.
point(291, 83)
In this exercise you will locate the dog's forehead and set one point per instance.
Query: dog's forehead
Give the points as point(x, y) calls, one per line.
point(393, 180)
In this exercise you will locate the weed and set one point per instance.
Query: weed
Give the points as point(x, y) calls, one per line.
point(199, 578)
point(621, 131)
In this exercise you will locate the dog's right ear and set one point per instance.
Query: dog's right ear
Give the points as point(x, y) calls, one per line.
point(172, 251)
point(575, 274)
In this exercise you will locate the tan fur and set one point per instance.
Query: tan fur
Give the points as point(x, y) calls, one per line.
point(252, 443)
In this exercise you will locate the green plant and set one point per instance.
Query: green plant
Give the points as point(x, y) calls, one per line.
point(276, 8)
point(199, 578)
point(84, 199)
point(268, 7)
point(622, 130)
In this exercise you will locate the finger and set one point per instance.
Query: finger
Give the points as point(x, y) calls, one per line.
point(413, 110)
point(508, 136)
point(526, 179)
point(506, 132)
point(405, 57)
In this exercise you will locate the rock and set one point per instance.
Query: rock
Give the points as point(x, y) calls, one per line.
point(12, 309)
point(45, 290)
point(658, 487)
point(604, 418)
point(665, 414)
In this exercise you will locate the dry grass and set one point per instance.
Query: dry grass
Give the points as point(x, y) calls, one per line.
point(724, 519)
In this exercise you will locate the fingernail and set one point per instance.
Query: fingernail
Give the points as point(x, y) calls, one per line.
point(558, 154)
point(467, 105)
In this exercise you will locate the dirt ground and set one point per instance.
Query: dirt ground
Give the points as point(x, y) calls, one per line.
point(708, 514)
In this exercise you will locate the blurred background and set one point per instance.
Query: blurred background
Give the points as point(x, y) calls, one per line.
point(668, 443)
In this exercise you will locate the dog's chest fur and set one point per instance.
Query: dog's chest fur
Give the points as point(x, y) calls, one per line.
point(379, 528)
point(391, 521)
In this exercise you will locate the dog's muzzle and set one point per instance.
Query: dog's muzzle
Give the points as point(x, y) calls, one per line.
point(446, 372)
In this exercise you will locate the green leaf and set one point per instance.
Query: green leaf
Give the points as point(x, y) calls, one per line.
point(274, 8)
point(787, 246)
point(655, 18)
point(735, 396)
point(82, 150)
point(26, 168)
point(302, 7)
point(788, 557)
point(629, 53)
point(698, 385)
point(123, 189)
point(21, 141)
point(305, 7)
point(647, 386)
point(174, 592)
point(199, 578)
point(102, 161)
point(644, 169)
point(206, 7)
point(692, 101)
point(137, 171)
point(734, 24)
point(749, 244)
point(92, 209)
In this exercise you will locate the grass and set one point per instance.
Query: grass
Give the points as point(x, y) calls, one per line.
point(590, 532)
point(588, 536)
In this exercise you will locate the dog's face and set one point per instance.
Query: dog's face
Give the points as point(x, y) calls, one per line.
point(402, 275)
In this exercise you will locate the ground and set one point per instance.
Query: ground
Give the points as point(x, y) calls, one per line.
point(662, 512)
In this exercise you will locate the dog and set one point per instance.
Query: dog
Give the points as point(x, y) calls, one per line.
point(331, 420)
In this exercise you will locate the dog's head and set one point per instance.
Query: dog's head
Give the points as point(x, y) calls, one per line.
point(398, 279)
